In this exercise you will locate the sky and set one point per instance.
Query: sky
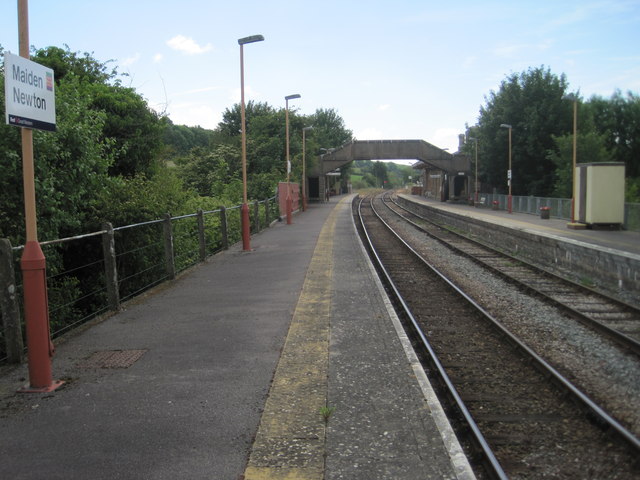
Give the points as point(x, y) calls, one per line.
point(402, 69)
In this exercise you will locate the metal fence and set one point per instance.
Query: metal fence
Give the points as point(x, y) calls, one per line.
point(91, 274)
point(559, 207)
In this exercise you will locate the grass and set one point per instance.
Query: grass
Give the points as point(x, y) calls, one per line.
point(326, 412)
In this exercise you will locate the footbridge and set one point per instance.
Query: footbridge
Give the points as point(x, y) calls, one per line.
point(455, 168)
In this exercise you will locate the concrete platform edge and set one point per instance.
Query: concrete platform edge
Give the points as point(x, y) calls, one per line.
point(459, 460)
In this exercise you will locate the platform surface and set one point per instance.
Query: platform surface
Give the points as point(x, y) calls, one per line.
point(226, 372)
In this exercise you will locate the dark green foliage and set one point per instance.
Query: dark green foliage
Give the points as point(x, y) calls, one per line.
point(368, 174)
point(535, 104)
point(618, 119)
point(180, 139)
point(66, 63)
point(132, 129)
point(208, 171)
point(380, 173)
point(591, 148)
point(329, 130)
point(531, 103)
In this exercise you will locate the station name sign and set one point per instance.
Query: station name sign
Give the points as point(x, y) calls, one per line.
point(29, 93)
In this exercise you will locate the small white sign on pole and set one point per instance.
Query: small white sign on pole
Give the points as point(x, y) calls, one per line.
point(29, 93)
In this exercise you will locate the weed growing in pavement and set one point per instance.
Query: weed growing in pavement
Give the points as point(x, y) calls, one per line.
point(587, 282)
point(326, 412)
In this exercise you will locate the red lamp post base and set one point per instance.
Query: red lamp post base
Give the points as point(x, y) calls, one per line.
point(36, 314)
point(246, 229)
point(50, 388)
point(289, 210)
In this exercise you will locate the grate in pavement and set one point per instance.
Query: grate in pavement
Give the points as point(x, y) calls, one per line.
point(113, 359)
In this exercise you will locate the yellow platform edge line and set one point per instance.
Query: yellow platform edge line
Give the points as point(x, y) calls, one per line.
point(290, 443)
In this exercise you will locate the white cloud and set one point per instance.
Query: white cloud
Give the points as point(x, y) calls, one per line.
point(384, 107)
point(157, 58)
point(188, 45)
point(193, 114)
point(131, 60)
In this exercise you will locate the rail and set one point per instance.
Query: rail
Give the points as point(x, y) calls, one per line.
point(93, 273)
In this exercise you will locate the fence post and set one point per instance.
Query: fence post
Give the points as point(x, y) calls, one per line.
point(168, 247)
point(110, 266)
point(14, 345)
point(224, 231)
point(201, 237)
point(267, 218)
point(256, 216)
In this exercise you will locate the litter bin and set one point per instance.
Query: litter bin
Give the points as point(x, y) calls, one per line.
point(545, 213)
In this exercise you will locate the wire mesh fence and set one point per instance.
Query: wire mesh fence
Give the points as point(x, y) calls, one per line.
point(558, 207)
point(91, 274)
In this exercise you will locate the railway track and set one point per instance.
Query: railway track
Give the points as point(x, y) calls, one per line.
point(519, 413)
point(618, 320)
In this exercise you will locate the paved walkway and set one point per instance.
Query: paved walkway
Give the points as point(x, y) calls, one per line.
point(176, 384)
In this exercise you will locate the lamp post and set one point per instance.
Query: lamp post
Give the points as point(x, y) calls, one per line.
point(33, 262)
point(289, 207)
point(475, 202)
point(509, 198)
point(244, 210)
point(304, 170)
point(574, 99)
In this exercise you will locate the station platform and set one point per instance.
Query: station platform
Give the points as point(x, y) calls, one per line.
point(622, 240)
point(286, 362)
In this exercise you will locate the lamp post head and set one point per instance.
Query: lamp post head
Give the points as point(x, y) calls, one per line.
point(505, 125)
point(291, 97)
point(306, 129)
point(570, 96)
point(251, 39)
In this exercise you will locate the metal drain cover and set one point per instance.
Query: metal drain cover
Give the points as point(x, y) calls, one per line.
point(113, 359)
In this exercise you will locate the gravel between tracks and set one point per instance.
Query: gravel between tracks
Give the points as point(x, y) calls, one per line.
point(597, 366)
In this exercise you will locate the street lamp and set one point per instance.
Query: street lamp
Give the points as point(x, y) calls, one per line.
point(509, 198)
point(246, 230)
point(574, 99)
point(476, 176)
point(304, 170)
point(289, 207)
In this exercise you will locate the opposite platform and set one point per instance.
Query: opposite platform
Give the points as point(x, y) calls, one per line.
point(196, 362)
point(622, 240)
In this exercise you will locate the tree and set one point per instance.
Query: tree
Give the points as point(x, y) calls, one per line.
point(208, 171)
point(329, 130)
point(266, 141)
point(532, 103)
point(380, 172)
point(180, 139)
point(132, 129)
point(618, 119)
point(591, 149)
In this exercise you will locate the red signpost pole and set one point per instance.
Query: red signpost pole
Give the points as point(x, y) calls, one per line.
point(33, 263)
point(36, 313)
